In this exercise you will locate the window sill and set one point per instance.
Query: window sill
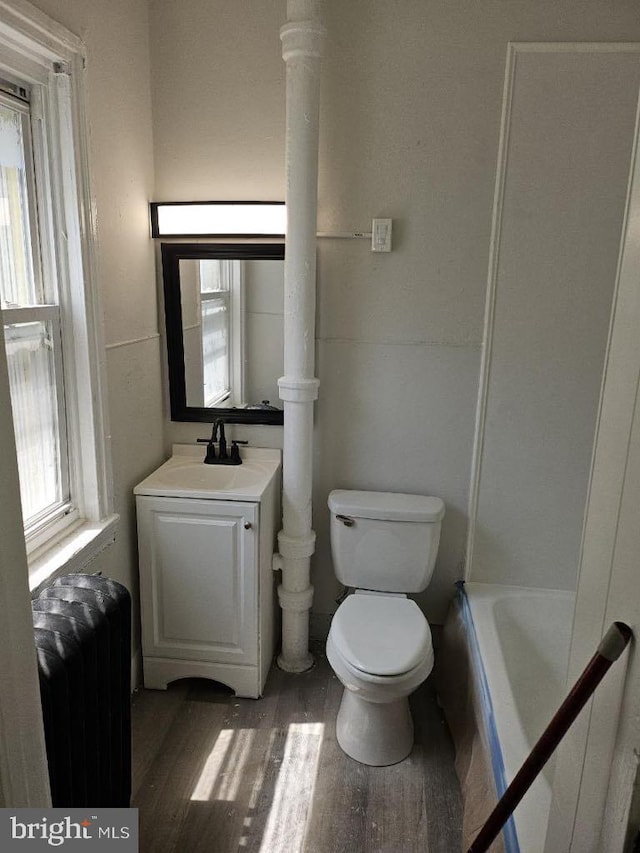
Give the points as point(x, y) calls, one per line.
point(73, 552)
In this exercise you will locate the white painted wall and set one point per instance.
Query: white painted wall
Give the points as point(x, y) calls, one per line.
point(218, 94)
point(595, 783)
point(218, 99)
point(264, 330)
point(569, 122)
point(620, 789)
point(119, 119)
point(410, 117)
point(116, 36)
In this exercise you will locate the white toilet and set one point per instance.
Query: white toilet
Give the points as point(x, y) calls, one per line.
point(379, 645)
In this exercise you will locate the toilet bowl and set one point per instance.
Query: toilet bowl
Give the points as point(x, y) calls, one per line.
point(380, 649)
point(379, 643)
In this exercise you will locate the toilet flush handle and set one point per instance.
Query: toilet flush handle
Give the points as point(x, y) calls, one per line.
point(348, 522)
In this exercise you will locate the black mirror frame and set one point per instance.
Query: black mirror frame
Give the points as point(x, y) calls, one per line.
point(172, 254)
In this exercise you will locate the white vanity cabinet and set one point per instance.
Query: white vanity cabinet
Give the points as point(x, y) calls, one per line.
point(206, 584)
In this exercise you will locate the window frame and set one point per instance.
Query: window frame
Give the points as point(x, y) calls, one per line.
point(232, 272)
point(37, 51)
point(60, 514)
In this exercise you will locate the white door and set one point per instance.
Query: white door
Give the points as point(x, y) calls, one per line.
point(199, 580)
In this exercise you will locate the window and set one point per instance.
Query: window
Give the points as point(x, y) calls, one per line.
point(32, 322)
point(220, 313)
point(47, 301)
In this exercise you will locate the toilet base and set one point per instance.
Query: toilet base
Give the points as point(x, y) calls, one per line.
point(375, 733)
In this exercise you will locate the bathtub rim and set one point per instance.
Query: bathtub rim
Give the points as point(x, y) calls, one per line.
point(509, 832)
point(510, 731)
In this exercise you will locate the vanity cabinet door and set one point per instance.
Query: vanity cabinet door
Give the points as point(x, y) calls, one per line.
point(199, 579)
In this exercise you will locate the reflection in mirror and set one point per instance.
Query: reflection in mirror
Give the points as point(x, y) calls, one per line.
point(224, 318)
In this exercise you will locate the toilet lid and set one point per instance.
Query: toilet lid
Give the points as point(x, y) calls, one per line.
point(381, 634)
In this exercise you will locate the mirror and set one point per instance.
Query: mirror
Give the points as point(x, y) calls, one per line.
point(224, 306)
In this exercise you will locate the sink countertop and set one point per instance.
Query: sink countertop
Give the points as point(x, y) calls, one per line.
point(185, 475)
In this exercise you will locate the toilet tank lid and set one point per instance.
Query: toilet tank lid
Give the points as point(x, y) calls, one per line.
point(386, 506)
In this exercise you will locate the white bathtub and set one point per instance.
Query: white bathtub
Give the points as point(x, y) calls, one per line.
point(518, 652)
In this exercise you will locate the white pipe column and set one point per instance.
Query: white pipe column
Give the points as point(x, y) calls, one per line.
point(302, 40)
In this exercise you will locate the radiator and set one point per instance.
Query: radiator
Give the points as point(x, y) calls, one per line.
point(82, 631)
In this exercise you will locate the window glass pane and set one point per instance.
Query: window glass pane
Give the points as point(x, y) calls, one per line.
point(215, 274)
point(215, 348)
point(30, 358)
point(17, 281)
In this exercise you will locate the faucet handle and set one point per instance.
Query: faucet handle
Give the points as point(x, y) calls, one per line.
point(214, 434)
point(235, 451)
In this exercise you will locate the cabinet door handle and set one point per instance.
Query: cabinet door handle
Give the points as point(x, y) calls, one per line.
point(247, 525)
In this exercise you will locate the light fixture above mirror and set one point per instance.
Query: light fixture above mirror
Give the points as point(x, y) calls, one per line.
point(218, 219)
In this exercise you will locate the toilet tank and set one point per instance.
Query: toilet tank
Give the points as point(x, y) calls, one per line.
point(384, 541)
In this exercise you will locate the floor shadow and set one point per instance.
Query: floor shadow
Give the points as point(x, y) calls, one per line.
point(223, 774)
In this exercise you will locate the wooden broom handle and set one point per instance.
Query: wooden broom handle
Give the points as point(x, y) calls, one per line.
point(611, 647)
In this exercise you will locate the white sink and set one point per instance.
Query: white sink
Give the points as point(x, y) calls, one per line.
point(186, 475)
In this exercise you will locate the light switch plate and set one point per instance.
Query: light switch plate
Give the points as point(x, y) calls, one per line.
point(381, 235)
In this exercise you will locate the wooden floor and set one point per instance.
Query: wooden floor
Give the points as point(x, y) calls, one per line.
point(219, 774)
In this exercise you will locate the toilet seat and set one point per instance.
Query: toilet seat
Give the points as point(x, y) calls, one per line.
point(381, 635)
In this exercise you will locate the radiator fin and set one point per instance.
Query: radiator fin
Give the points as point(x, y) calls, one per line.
point(82, 632)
